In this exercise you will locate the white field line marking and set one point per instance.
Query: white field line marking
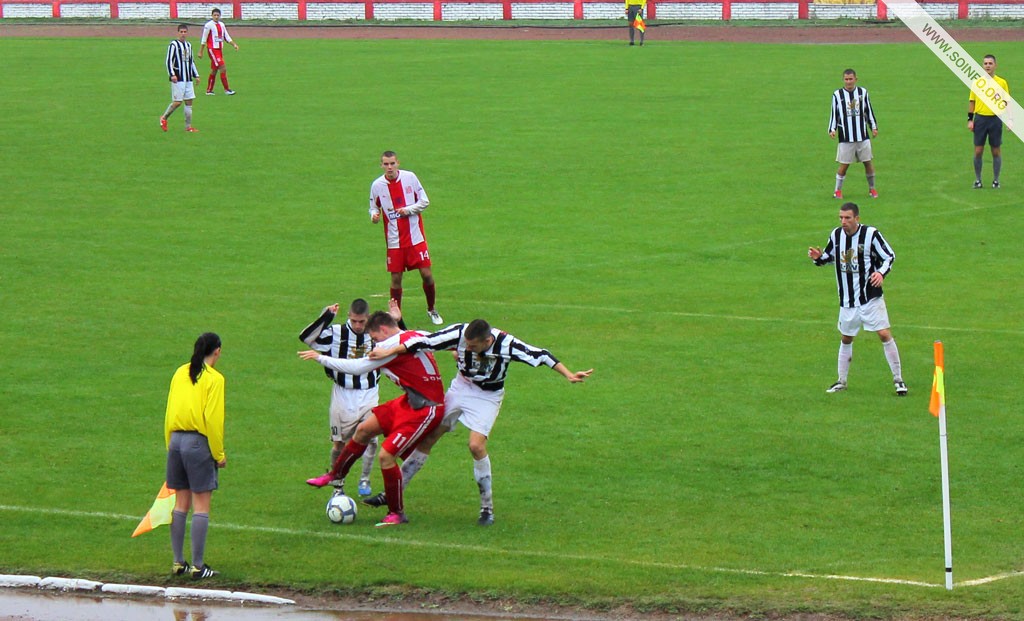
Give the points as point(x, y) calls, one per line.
point(339, 534)
point(963, 66)
point(624, 311)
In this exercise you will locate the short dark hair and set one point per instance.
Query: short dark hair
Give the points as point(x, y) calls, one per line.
point(388, 154)
point(359, 307)
point(180, 26)
point(850, 72)
point(851, 207)
point(477, 329)
point(380, 319)
point(990, 56)
point(215, 10)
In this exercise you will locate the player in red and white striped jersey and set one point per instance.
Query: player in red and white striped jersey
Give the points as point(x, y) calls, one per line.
point(397, 197)
point(405, 421)
point(215, 33)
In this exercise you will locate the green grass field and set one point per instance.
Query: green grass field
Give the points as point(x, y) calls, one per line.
point(643, 211)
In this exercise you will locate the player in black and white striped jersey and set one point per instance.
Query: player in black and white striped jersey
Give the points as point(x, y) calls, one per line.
point(863, 259)
point(353, 396)
point(181, 71)
point(474, 398)
point(850, 120)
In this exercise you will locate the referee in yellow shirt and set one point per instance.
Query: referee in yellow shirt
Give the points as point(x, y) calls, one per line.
point(983, 121)
point(194, 432)
point(634, 8)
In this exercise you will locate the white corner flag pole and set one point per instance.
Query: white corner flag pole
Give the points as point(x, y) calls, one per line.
point(938, 408)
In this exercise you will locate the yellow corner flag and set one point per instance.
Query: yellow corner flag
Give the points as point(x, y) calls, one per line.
point(639, 24)
point(159, 513)
point(938, 400)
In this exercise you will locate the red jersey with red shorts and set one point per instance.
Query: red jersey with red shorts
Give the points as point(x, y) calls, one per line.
point(405, 235)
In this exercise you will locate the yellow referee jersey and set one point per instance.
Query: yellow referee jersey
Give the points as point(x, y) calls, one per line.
point(979, 105)
point(630, 3)
point(197, 407)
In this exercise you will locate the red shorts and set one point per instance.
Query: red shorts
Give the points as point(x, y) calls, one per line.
point(216, 58)
point(405, 427)
point(411, 258)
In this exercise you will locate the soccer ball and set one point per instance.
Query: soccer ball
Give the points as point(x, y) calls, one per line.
point(341, 509)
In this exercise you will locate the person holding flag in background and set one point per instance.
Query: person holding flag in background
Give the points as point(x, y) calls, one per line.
point(635, 17)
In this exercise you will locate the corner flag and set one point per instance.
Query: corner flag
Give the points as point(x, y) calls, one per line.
point(159, 513)
point(639, 24)
point(938, 400)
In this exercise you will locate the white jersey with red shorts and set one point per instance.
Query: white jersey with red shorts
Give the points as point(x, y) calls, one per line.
point(404, 424)
point(405, 234)
point(214, 36)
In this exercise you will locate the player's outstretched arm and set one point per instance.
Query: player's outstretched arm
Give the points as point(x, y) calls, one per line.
point(378, 353)
point(814, 253)
point(574, 377)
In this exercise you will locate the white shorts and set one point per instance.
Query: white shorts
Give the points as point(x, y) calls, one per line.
point(349, 407)
point(850, 152)
point(872, 316)
point(182, 91)
point(471, 405)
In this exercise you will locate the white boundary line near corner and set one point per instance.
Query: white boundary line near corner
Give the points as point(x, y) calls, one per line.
point(963, 66)
point(339, 533)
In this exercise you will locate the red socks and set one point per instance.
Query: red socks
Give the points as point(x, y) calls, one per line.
point(428, 291)
point(352, 451)
point(393, 488)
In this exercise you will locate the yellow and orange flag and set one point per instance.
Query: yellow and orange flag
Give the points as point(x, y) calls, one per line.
point(159, 513)
point(938, 400)
point(639, 24)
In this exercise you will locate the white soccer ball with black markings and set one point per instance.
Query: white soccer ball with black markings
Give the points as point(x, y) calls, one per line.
point(341, 509)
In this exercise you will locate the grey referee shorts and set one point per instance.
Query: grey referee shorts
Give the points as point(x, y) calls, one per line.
point(990, 127)
point(190, 464)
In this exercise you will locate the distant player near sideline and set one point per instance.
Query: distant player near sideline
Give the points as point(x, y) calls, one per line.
point(352, 396)
point(850, 119)
point(405, 421)
point(397, 197)
point(983, 122)
point(863, 259)
point(633, 9)
point(181, 71)
point(215, 33)
point(474, 397)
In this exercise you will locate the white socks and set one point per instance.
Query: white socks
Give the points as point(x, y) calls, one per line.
point(892, 355)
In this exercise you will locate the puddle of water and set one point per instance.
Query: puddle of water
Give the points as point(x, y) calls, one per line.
point(30, 605)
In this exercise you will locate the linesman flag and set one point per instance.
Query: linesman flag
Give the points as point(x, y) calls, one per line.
point(159, 513)
point(639, 24)
point(938, 400)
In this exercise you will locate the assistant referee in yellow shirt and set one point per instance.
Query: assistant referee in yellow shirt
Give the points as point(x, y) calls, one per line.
point(194, 432)
point(983, 121)
point(634, 8)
